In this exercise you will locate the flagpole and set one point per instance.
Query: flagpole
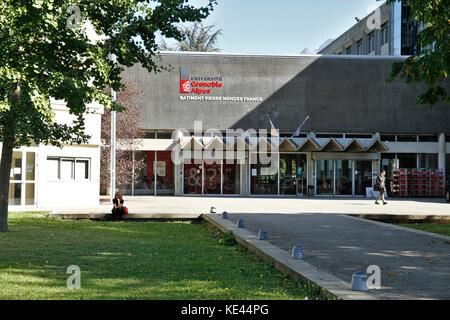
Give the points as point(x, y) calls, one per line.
point(299, 128)
point(113, 139)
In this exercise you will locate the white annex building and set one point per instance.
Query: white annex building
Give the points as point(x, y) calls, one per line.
point(49, 177)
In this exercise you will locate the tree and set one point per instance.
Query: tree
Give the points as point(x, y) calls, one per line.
point(199, 38)
point(45, 52)
point(129, 131)
point(431, 65)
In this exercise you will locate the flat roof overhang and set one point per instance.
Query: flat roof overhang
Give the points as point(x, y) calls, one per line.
point(284, 145)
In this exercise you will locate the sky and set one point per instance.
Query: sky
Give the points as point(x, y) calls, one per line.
point(283, 26)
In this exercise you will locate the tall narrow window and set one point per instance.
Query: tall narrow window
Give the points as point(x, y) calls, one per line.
point(372, 41)
point(384, 33)
point(359, 47)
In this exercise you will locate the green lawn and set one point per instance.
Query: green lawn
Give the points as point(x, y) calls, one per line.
point(133, 260)
point(430, 227)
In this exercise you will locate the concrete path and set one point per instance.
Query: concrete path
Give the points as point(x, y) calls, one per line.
point(199, 205)
point(414, 265)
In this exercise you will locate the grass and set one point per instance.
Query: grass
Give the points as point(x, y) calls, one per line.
point(437, 228)
point(134, 260)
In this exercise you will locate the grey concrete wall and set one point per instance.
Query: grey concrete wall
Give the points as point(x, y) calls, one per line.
point(340, 93)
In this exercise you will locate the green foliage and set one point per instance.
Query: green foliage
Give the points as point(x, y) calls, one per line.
point(199, 38)
point(431, 65)
point(42, 58)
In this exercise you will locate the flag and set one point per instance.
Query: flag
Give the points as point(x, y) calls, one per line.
point(273, 131)
point(297, 132)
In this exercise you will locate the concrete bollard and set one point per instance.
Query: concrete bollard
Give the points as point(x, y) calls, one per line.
point(240, 224)
point(225, 215)
point(359, 281)
point(263, 235)
point(297, 252)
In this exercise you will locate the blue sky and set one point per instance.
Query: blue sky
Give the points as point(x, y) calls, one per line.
point(283, 26)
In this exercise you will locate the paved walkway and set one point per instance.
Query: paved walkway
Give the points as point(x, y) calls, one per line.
point(414, 265)
point(199, 205)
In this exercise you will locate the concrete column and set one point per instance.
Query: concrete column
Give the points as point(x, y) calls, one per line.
point(310, 164)
point(441, 152)
point(245, 176)
point(178, 179)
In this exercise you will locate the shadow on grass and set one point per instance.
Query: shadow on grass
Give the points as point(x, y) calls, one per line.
point(118, 260)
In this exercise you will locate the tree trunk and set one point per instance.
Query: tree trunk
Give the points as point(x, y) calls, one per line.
point(5, 172)
point(9, 139)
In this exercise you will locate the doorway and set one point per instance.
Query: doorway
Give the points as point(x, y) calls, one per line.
point(363, 177)
point(343, 177)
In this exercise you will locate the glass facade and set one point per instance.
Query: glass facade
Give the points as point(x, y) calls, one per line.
point(286, 174)
point(293, 174)
point(343, 177)
point(447, 164)
point(428, 160)
point(407, 160)
point(193, 178)
point(213, 179)
point(231, 178)
point(363, 177)
point(264, 177)
point(325, 177)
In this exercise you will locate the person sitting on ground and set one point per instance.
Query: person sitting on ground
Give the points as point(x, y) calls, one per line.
point(118, 210)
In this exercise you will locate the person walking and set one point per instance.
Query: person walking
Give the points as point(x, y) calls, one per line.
point(380, 186)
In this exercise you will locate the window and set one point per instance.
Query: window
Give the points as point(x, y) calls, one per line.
point(67, 169)
point(348, 50)
point(388, 137)
point(52, 169)
point(329, 135)
point(407, 138)
point(447, 165)
point(371, 41)
point(359, 47)
point(384, 33)
point(81, 169)
point(358, 136)
point(428, 138)
point(428, 161)
point(66, 172)
point(407, 160)
point(164, 135)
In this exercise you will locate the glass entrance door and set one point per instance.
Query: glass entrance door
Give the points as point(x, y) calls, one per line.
point(363, 177)
point(22, 183)
point(325, 177)
point(343, 181)
point(341, 177)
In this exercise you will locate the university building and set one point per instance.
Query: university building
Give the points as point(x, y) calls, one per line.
point(358, 124)
point(389, 30)
point(207, 133)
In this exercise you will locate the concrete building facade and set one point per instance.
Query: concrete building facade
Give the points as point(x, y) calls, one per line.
point(389, 30)
point(358, 123)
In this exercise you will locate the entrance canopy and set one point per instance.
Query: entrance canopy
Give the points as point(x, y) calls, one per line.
point(286, 144)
